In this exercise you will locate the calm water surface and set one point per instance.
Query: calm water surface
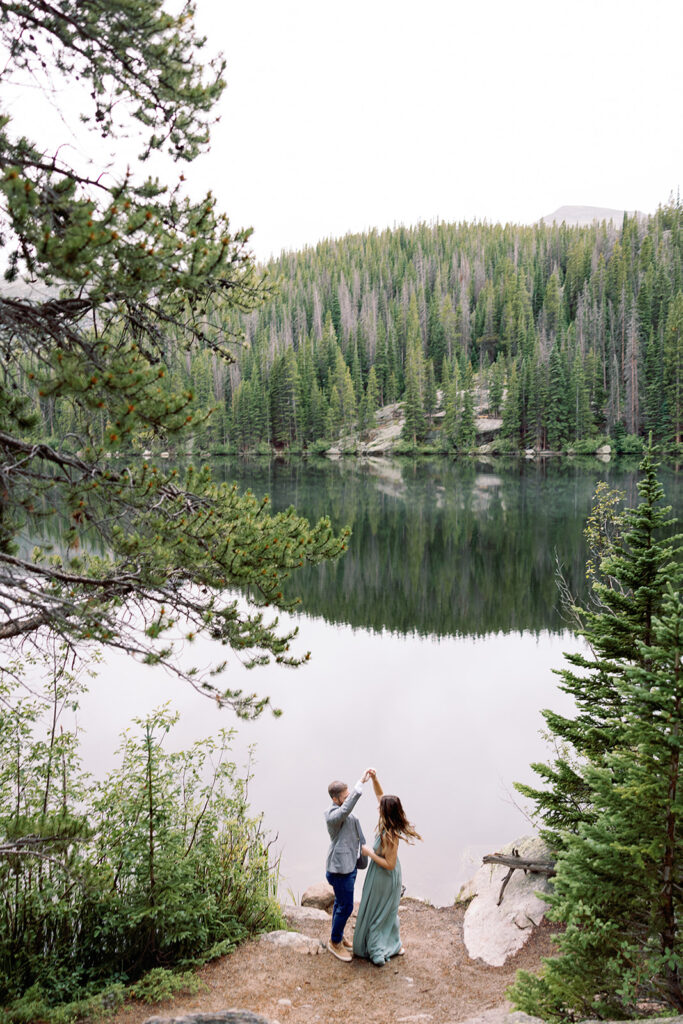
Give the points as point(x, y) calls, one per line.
point(433, 647)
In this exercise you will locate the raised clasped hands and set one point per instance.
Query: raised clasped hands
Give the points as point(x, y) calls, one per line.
point(369, 774)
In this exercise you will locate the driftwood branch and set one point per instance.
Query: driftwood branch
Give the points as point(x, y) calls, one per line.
point(514, 862)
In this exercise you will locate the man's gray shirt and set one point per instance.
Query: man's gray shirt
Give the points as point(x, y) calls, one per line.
point(346, 835)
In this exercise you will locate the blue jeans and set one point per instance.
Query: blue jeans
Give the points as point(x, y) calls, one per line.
point(343, 902)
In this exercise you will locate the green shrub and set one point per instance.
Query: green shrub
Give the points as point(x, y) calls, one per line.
point(318, 447)
point(630, 444)
point(152, 867)
point(159, 984)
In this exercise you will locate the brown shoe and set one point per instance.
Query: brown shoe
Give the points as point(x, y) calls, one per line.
point(346, 943)
point(337, 949)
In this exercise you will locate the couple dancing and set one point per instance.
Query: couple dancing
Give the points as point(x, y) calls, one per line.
point(376, 936)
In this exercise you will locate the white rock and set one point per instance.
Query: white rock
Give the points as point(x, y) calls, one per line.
point(493, 933)
point(293, 940)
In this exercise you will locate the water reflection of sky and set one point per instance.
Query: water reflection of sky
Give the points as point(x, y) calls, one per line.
point(449, 724)
point(450, 577)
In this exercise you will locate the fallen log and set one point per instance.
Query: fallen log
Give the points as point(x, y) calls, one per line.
point(514, 862)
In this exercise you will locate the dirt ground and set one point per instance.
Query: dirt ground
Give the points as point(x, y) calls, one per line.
point(434, 983)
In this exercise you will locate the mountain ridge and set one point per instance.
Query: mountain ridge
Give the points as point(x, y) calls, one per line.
point(578, 216)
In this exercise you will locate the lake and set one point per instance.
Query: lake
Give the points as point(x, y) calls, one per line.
point(433, 641)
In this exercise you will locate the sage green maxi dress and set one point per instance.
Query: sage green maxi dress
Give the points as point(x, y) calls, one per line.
point(376, 936)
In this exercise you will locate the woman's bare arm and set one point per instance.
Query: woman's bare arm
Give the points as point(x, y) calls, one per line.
point(388, 860)
point(379, 792)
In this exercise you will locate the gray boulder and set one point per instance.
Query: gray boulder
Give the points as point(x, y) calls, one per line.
point(493, 933)
point(298, 916)
point(320, 896)
point(293, 940)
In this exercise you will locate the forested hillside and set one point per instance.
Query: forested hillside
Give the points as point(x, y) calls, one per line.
point(573, 333)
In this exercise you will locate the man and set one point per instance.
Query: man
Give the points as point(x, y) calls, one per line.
point(346, 840)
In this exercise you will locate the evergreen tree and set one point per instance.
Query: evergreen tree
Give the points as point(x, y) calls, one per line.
point(140, 271)
point(617, 888)
point(346, 393)
point(466, 430)
point(414, 426)
point(579, 403)
point(318, 413)
point(552, 304)
point(496, 385)
point(436, 335)
point(430, 392)
point(451, 406)
point(333, 422)
point(380, 365)
point(284, 387)
point(558, 431)
point(628, 587)
point(512, 422)
point(366, 415)
point(537, 404)
point(673, 368)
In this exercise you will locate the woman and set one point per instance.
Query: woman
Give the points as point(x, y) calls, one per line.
point(377, 936)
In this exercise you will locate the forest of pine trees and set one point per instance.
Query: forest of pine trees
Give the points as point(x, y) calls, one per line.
point(572, 334)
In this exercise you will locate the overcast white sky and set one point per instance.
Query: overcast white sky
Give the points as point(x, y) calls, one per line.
point(369, 113)
point(344, 116)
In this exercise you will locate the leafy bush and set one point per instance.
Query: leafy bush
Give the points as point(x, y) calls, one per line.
point(101, 882)
point(159, 984)
point(630, 444)
point(587, 445)
point(503, 446)
point(318, 447)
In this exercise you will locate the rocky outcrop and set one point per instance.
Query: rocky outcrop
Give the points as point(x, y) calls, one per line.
point(293, 940)
point(298, 916)
point(494, 932)
point(320, 896)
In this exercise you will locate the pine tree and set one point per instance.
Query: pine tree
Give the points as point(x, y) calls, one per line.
point(139, 271)
point(466, 430)
point(558, 431)
point(617, 888)
point(380, 364)
point(512, 423)
point(414, 426)
point(283, 399)
point(451, 406)
point(333, 422)
point(430, 392)
point(496, 385)
point(578, 404)
point(436, 335)
point(673, 368)
point(371, 399)
point(628, 587)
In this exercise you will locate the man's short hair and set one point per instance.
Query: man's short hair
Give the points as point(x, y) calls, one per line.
point(336, 788)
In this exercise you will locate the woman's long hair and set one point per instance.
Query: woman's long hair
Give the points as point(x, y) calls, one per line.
point(393, 821)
